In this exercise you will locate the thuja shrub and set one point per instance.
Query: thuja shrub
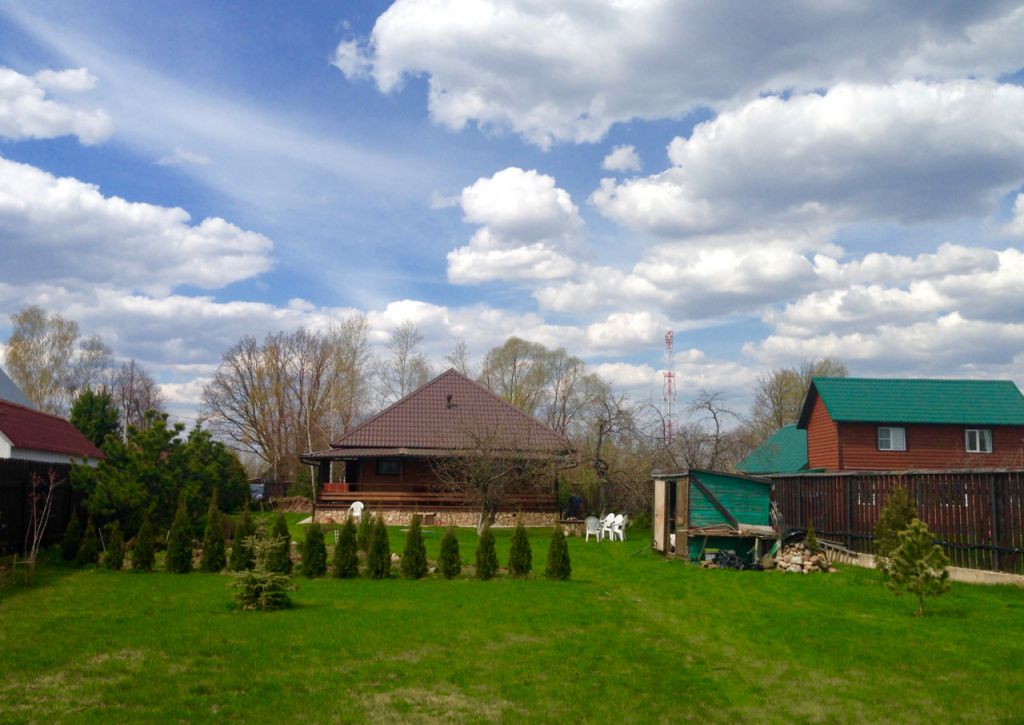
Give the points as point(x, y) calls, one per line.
point(559, 566)
point(345, 564)
point(214, 556)
point(414, 556)
point(899, 511)
point(486, 557)
point(314, 552)
point(72, 538)
point(378, 559)
point(261, 587)
point(520, 560)
point(89, 550)
point(811, 539)
point(279, 557)
point(113, 558)
point(450, 562)
point(143, 554)
point(365, 532)
point(179, 542)
point(241, 546)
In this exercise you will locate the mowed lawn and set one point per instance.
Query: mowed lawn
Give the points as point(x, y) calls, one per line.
point(629, 639)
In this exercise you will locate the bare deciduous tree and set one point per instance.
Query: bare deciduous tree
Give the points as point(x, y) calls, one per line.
point(406, 368)
point(40, 504)
point(134, 392)
point(458, 358)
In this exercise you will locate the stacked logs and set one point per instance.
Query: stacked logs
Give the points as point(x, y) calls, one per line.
point(798, 559)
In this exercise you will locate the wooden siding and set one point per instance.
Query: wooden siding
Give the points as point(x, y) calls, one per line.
point(928, 446)
point(822, 438)
point(747, 501)
point(416, 475)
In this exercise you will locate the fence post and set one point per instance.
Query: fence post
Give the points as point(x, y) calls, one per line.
point(995, 520)
point(849, 513)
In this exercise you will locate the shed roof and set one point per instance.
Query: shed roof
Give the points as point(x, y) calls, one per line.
point(785, 451)
point(448, 413)
point(896, 400)
point(30, 429)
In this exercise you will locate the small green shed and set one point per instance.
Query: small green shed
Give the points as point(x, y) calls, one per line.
point(695, 511)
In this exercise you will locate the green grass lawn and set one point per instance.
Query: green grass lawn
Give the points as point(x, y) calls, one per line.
point(633, 639)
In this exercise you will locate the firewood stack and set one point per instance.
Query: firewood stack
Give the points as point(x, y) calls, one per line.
point(798, 559)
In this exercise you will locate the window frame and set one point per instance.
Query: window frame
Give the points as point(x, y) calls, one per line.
point(389, 467)
point(890, 429)
point(982, 435)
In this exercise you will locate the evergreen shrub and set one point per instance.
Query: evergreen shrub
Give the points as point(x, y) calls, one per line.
point(378, 559)
point(279, 556)
point(918, 564)
point(72, 538)
point(486, 557)
point(559, 566)
point(261, 587)
point(314, 552)
point(451, 562)
point(241, 546)
point(811, 539)
point(143, 555)
point(214, 558)
point(179, 541)
point(113, 558)
point(365, 532)
point(345, 564)
point(899, 511)
point(520, 559)
point(89, 550)
point(414, 556)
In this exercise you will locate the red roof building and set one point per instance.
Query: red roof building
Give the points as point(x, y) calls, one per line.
point(28, 434)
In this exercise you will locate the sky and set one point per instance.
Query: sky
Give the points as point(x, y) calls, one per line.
point(775, 182)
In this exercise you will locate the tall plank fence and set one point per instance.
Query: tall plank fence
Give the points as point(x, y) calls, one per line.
point(977, 515)
point(16, 480)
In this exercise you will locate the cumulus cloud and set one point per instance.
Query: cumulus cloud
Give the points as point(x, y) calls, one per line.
point(567, 72)
point(26, 112)
point(62, 228)
point(1015, 227)
point(528, 227)
point(622, 158)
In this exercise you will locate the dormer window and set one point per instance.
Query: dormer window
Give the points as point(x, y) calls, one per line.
point(892, 439)
point(978, 440)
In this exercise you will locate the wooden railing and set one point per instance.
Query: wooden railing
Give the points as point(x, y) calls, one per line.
point(404, 500)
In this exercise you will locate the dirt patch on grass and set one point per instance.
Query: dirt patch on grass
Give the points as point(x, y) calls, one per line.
point(420, 705)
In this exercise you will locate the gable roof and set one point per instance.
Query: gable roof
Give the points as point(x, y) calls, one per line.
point(895, 400)
point(443, 415)
point(11, 392)
point(32, 430)
point(785, 451)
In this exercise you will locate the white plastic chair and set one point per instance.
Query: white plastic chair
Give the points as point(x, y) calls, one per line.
point(356, 510)
point(619, 528)
point(593, 527)
point(606, 527)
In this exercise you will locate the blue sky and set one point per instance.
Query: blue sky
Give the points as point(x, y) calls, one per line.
point(777, 183)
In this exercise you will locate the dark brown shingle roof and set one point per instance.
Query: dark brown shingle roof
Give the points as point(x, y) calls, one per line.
point(30, 429)
point(446, 414)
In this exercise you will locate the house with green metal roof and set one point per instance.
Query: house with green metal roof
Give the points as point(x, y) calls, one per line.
point(894, 424)
point(784, 452)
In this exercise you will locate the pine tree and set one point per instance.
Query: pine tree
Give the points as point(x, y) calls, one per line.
point(213, 560)
point(486, 558)
point(89, 551)
point(113, 558)
point(346, 557)
point(241, 551)
point(520, 560)
point(451, 562)
point(810, 539)
point(143, 555)
point(365, 532)
point(559, 566)
point(179, 542)
point(896, 517)
point(918, 565)
point(280, 558)
point(378, 559)
point(414, 556)
point(261, 587)
point(72, 538)
point(314, 552)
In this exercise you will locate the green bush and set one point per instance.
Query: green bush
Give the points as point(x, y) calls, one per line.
point(72, 538)
point(486, 558)
point(811, 539)
point(143, 555)
point(365, 532)
point(279, 555)
point(214, 558)
point(899, 511)
point(345, 564)
point(260, 587)
point(520, 560)
point(378, 560)
point(451, 562)
point(113, 558)
point(314, 552)
point(414, 556)
point(89, 550)
point(241, 546)
point(179, 541)
point(918, 565)
point(559, 566)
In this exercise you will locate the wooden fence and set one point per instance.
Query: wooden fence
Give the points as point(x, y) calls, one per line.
point(977, 515)
point(15, 513)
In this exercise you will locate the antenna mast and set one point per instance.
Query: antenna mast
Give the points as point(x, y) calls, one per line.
point(669, 391)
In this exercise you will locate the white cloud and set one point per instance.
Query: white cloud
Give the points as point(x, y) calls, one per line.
point(529, 226)
point(183, 157)
point(567, 72)
point(62, 228)
point(908, 152)
point(26, 112)
point(622, 158)
point(625, 330)
point(1015, 227)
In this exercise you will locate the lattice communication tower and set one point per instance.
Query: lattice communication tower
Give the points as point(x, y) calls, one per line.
point(669, 391)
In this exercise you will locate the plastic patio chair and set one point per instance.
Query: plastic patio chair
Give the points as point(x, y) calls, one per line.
point(593, 527)
point(356, 510)
point(606, 527)
point(619, 528)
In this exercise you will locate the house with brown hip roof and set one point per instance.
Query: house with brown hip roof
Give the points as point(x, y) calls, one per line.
point(29, 435)
point(393, 462)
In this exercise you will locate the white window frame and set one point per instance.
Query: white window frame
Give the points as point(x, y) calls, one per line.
point(982, 440)
point(894, 441)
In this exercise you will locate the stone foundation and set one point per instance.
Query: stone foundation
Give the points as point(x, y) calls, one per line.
point(442, 517)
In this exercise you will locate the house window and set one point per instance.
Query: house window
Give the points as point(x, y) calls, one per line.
point(388, 467)
point(892, 439)
point(979, 440)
